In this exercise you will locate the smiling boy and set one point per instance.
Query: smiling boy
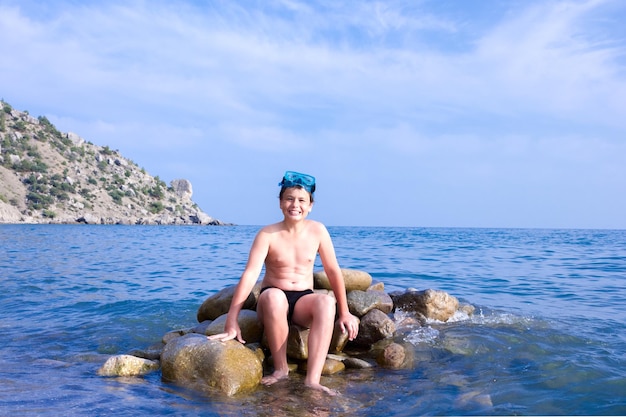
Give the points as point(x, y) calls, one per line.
point(288, 250)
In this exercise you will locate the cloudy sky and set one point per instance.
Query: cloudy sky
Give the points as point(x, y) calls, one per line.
point(450, 113)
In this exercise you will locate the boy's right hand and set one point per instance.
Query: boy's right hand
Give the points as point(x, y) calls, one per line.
point(230, 333)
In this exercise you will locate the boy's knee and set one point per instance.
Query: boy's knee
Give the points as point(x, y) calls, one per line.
point(327, 305)
point(272, 299)
point(272, 295)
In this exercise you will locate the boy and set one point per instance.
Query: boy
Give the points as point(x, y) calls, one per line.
point(288, 250)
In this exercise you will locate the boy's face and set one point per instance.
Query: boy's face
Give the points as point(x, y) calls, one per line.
point(296, 203)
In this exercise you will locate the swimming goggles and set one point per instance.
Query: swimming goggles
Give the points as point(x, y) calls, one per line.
point(294, 179)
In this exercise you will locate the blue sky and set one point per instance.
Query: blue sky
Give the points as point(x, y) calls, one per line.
point(409, 113)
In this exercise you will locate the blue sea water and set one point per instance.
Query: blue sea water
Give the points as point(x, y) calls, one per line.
point(548, 335)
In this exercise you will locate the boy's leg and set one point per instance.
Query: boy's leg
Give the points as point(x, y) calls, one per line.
point(272, 312)
point(317, 312)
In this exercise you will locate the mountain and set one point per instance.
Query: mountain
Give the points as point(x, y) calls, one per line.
point(51, 177)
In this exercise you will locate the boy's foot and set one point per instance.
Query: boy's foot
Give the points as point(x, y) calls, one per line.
point(274, 378)
point(322, 388)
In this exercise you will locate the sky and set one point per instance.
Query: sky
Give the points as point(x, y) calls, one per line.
point(414, 113)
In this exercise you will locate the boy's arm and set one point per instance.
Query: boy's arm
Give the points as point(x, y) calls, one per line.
point(347, 321)
point(256, 258)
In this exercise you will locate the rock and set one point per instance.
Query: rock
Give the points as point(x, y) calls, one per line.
point(297, 342)
point(356, 363)
point(201, 218)
point(182, 188)
point(353, 279)
point(76, 140)
point(219, 303)
point(361, 302)
point(467, 309)
point(193, 360)
point(375, 326)
point(339, 340)
point(8, 213)
point(110, 188)
point(331, 366)
point(392, 356)
point(127, 365)
point(174, 334)
point(201, 328)
point(152, 352)
point(432, 304)
point(251, 328)
point(89, 218)
point(257, 350)
point(377, 286)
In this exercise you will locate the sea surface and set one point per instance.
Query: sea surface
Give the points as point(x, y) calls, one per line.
point(548, 336)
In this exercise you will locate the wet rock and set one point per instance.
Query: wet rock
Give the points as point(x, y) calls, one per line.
point(169, 336)
point(356, 363)
point(297, 342)
point(339, 340)
point(331, 366)
point(432, 304)
point(392, 356)
point(127, 365)
point(375, 326)
point(151, 352)
point(193, 360)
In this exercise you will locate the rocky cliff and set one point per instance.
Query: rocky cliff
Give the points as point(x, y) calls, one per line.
point(51, 177)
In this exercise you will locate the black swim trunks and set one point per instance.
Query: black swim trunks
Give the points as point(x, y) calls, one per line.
point(292, 298)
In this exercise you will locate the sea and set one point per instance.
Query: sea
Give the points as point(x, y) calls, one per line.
point(548, 335)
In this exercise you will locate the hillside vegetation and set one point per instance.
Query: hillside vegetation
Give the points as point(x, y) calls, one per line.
point(51, 177)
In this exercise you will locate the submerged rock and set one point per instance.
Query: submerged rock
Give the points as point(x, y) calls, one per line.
point(127, 365)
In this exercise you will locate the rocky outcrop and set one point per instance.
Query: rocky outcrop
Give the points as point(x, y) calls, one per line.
point(190, 359)
point(51, 177)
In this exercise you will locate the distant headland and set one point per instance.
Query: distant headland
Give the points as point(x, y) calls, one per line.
point(51, 177)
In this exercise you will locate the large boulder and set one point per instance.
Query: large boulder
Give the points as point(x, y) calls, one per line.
point(219, 303)
point(432, 304)
point(353, 279)
point(194, 361)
